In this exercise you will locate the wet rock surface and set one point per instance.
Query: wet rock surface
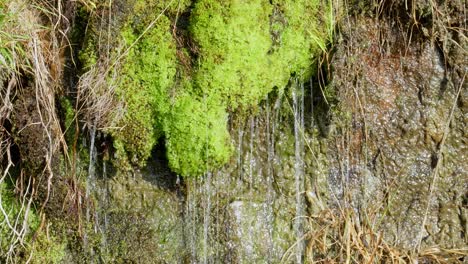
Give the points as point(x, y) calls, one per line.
point(403, 149)
point(141, 222)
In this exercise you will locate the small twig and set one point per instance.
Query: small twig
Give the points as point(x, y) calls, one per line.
point(437, 166)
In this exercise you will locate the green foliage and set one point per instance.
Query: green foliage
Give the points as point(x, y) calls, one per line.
point(196, 135)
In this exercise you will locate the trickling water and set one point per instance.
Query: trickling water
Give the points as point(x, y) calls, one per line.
point(269, 182)
point(100, 191)
point(298, 109)
point(250, 211)
point(206, 217)
point(90, 187)
point(251, 150)
point(192, 220)
point(239, 151)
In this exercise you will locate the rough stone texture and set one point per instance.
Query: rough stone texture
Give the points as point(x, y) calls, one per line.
point(402, 152)
point(142, 222)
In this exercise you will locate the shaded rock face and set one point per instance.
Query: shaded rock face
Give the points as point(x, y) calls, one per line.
point(403, 149)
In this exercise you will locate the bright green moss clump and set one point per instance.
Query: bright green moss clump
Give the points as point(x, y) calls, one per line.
point(234, 40)
point(147, 76)
point(244, 50)
point(196, 135)
point(300, 29)
point(249, 47)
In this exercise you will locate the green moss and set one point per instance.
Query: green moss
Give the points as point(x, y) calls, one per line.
point(245, 49)
point(196, 135)
point(147, 76)
point(48, 250)
point(234, 40)
point(301, 35)
point(87, 55)
point(68, 114)
point(43, 249)
point(249, 47)
point(149, 10)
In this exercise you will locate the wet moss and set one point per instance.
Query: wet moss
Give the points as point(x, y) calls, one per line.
point(196, 135)
point(238, 66)
point(147, 76)
point(244, 50)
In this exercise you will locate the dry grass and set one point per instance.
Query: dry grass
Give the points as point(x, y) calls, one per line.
point(343, 235)
point(37, 52)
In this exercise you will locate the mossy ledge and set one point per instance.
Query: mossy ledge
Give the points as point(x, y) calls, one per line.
point(241, 51)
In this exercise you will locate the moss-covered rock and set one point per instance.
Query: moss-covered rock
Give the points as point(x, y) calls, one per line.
point(234, 41)
point(244, 50)
point(239, 64)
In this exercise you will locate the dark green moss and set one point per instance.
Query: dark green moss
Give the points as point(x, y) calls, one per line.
point(68, 114)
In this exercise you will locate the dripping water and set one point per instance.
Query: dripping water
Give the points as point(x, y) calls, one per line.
point(251, 153)
point(90, 186)
point(206, 216)
point(298, 110)
point(269, 182)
